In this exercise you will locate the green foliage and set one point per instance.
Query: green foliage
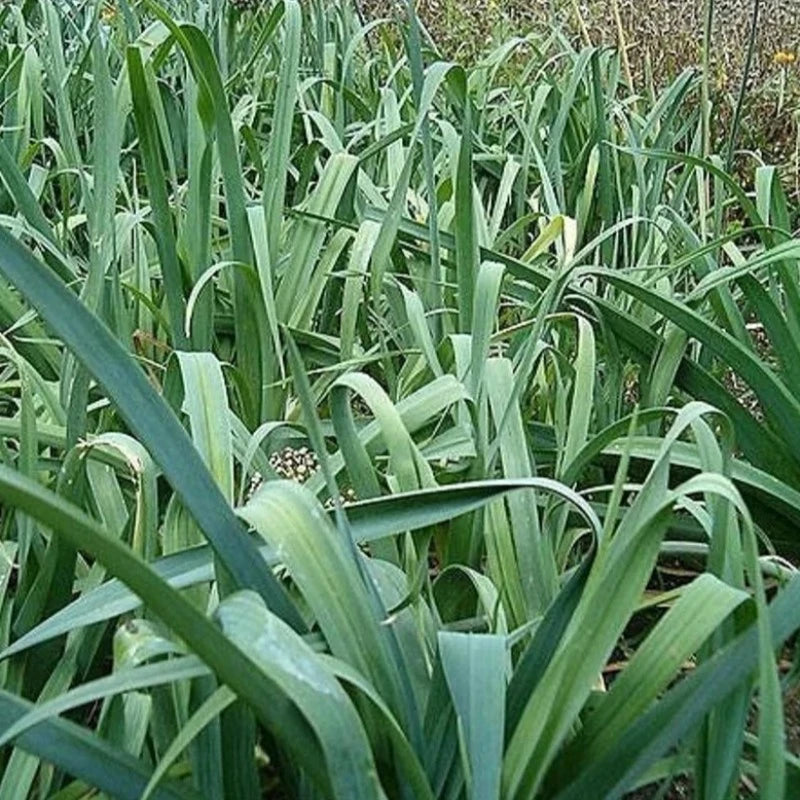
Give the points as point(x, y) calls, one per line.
point(511, 309)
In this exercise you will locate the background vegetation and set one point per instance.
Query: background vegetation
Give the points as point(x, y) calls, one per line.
point(528, 338)
point(660, 39)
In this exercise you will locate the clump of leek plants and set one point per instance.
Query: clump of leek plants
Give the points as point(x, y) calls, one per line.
point(224, 239)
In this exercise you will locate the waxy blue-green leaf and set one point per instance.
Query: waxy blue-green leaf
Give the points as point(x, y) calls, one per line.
point(474, 666)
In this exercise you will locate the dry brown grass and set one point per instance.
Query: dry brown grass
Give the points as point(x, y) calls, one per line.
point(662, 38)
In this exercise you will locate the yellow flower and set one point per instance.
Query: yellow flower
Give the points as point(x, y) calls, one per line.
point(784, 57)
point(108, 13)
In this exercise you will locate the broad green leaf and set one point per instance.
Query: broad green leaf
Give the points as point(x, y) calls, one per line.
point(474, 666)
point(206, 405)
point(283, 655)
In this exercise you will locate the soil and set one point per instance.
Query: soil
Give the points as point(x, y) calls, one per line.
point(791, 711)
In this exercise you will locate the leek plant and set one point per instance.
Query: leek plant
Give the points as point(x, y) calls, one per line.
point(503, 314)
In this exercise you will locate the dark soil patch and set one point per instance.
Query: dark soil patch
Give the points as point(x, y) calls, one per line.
point(791, 710)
